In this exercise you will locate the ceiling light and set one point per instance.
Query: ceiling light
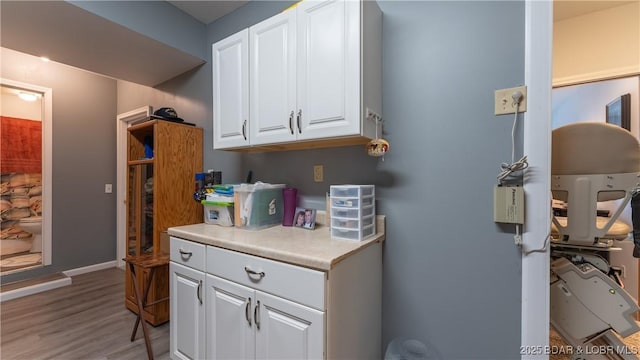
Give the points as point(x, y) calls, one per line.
point(26, 96)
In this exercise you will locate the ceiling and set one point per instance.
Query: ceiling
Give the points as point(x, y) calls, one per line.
point(565, 9)
point(208, 11)
point(72, 36)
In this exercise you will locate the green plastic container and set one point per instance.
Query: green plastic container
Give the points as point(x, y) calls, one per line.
point(259, 205)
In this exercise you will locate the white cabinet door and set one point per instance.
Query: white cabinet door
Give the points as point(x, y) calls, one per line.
point(230, 310)
point(230, 67)
point(287, 330)
point(187, 325)
point(328, 68)
point(273, 79)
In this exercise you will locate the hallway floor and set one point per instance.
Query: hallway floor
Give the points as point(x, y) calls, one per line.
point(85, 320)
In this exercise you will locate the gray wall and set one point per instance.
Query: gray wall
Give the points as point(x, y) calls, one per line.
point(84, 159)
point(451, 275)
point(158, 20)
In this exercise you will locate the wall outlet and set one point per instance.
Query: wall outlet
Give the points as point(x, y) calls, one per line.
point(318, 173)
point(504, 100)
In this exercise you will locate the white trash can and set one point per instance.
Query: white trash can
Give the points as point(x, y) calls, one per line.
point(406, 349)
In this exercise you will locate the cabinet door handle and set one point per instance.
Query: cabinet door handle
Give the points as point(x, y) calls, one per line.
point(298, 121)
point(199, 292)
point(247, 311)
point(256, 314)
point(291, 122)
point(250, 272)
point(186, 254)
point(244, 129)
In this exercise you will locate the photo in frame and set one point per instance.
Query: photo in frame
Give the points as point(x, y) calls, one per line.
point(619, 112)
point(305, 218)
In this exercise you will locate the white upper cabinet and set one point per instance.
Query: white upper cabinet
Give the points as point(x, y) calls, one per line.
point(328, 71)
point(273, 79)
point(230, 59)
point(314, 71)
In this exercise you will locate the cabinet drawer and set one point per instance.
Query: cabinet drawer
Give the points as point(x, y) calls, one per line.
point(188, 253)
point(292, 282)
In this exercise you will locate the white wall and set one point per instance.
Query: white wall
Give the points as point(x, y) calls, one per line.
point(587, 102)
point(12, 106)
point(596, 46)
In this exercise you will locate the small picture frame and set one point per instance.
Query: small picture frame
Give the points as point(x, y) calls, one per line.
point(305, 218)
point(619, 112)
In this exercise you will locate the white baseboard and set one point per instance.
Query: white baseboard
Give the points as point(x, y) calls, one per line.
point(91, 268)
point(34, 289)
point(50, 285)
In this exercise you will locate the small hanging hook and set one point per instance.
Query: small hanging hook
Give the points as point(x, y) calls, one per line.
point(378, 146)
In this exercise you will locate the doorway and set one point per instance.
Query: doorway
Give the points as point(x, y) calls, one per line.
point(123, 122)
point(541, 72)
point(588, 103)
point(25, 176)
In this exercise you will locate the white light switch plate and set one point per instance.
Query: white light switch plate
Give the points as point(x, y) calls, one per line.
point(108, 188)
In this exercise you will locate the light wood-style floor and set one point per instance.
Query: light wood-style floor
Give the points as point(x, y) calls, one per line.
point(85, 320)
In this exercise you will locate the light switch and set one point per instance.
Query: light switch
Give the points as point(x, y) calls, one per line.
point(108, 188)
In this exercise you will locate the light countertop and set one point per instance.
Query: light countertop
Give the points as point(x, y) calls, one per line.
point(309, 248)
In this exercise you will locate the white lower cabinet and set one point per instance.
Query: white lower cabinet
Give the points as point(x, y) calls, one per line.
point(259, 308)
point(231, 305)
point(287, 330)
point(244, 323)
point(187, 325)
point(229, 312)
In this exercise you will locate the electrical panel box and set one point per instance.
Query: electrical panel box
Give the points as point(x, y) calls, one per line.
point(508, 204)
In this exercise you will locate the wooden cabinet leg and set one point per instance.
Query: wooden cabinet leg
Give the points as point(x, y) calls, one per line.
point(140, 317)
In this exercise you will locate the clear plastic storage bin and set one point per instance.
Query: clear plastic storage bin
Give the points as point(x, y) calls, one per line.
point(352, 211)
point(353, 234)
point(218, 213)
point(352, 223)
point(258, 205)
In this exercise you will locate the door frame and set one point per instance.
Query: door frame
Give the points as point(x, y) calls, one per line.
point(47, 160)
point(123, 122)
point(537, 184)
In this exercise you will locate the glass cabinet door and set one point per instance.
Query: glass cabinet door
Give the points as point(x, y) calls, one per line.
point(140, 209)
point(146, 215)
point(132, 214)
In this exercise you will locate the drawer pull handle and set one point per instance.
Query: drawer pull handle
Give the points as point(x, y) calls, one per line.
point(186, 254)
point(247, 312)
point(261, 274)
point(256, 314)
point(199, 293)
